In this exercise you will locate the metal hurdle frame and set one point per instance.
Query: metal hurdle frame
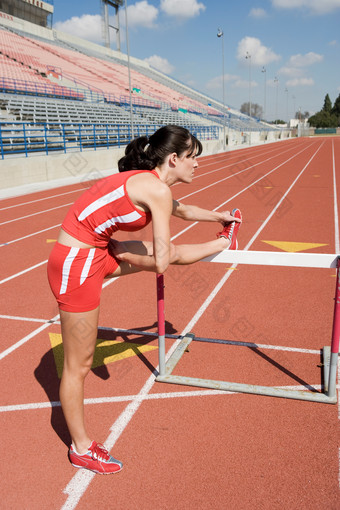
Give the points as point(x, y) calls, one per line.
point(330, 354)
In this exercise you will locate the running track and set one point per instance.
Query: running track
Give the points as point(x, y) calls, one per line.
point(183, 448)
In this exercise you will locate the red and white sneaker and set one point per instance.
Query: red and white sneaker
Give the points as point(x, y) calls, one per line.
point(96, 459)
point(231, 229)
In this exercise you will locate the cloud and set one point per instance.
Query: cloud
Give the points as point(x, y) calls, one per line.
point(87, 27)
point(305, 60)
point(260, 55)
point(141, 14)
point(296, 67)
point(182, 8)
point(257, 12)
point(291, 71)
point(160, 63)
point(244, 84)
point(315, 6)
point(234, 81)
point(297, 82)
point(217, 82)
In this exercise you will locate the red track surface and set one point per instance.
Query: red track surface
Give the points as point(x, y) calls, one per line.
point(183, 448)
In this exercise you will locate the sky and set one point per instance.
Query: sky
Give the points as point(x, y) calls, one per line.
point(293, 46)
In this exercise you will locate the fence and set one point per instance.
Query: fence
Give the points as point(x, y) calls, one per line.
point(26, 138)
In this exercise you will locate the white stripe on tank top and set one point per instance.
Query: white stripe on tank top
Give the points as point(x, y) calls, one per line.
point(101, 202)
point(125, 218)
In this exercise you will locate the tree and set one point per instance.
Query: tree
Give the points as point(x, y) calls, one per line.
point(336, 109)
point(323, 119)
point(302, 116)
point(327, 117)
point(256, 110)
point(327, 105)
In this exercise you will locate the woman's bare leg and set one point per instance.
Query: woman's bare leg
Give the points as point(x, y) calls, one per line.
point(79, 332)
point(182, 254)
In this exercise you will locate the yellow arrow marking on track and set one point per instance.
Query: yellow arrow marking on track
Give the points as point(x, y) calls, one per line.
point(294, 247)
point(107, 351)
point(51, 240)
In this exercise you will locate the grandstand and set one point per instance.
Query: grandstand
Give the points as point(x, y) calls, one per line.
point(59, 93)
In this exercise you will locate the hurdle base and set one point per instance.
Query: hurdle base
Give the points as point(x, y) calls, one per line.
point(326, 360)
point(233, 387)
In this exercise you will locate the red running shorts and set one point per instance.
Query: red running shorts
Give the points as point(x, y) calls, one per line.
point(76, 276)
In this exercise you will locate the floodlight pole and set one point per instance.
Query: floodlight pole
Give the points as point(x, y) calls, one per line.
point(106, 23)
point(248, 57)
point(264, 70)
point(129, 71)
point(221, 34)
point(276, 81)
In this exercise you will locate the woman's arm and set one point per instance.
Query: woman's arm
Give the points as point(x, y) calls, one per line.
point(194, 213)
point(157, 197)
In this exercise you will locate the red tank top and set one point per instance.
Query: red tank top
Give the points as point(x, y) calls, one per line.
point(105, 208)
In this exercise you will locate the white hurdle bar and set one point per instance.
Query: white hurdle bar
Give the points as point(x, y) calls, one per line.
point(330, 354)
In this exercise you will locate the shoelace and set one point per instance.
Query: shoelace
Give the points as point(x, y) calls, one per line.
point(99, 452)
point(231, 225)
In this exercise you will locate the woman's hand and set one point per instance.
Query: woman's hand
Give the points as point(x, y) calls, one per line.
point(226, 217)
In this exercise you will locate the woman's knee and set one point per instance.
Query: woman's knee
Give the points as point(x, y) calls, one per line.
point(78, 367)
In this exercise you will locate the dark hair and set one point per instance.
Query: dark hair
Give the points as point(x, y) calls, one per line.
point(145, 153)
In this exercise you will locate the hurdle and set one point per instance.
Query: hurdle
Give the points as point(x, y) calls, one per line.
point(329, 353)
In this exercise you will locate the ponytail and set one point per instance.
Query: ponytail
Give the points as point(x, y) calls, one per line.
point(145, 153)
point(136, 156)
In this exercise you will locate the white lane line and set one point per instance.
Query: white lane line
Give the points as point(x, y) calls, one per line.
point(21, 342)
point(41, 199)
point(200, 311)
point(238, 193)
point(202, 189)
point(34, 406)
point(24, 319)
point(35, 214)
point(252, 345)
point(23, 272)
point(30, 235)
point(81, 480)
point(238, 162)
point(220, 284)
point(244, 170)
point(191, 225)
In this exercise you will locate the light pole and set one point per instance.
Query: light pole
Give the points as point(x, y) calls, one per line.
point(287, 114)
point(248, 57)
point(221, 35)
point(129, 70)
point(264, 70)
point(276, 81)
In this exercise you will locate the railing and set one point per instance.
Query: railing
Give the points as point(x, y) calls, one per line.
point(11, 86)
point(28, 138)
point(31, 88)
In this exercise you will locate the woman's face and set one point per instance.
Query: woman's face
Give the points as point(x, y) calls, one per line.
point(186, 165)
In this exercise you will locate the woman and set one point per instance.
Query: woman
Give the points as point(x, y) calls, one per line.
point(85, 254)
